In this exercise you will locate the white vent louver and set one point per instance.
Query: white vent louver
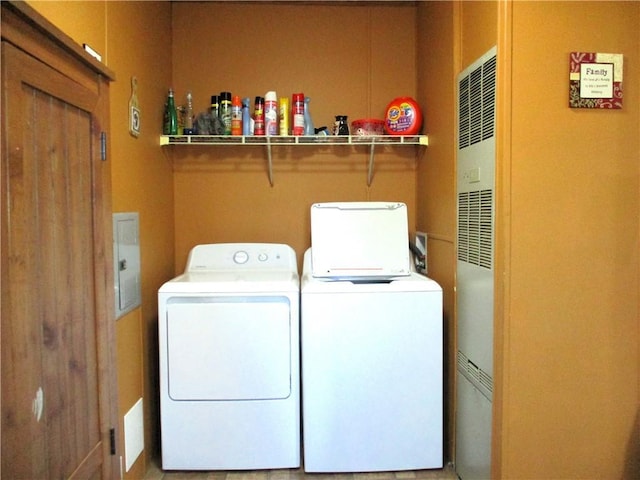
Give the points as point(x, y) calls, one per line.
point(477, 105)
point(481, 379)
point(476, 117)
point(475, 227)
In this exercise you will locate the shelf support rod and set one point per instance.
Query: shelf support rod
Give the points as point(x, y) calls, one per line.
point(370, 170)
point(269, 161)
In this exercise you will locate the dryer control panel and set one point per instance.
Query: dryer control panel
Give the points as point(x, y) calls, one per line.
point(241, 256)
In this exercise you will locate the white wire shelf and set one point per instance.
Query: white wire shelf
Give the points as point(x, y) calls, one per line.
point(294, 140)
point(370, 141)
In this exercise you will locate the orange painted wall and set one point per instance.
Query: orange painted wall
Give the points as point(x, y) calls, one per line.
point(134, 39)
point(92, 29)
point(131, 380)
point(567, 345)
point(568, 309)
point(450, 36)
point(477, 23)
point(349, 60)
point(570, 392)
point(139, 44)
point(436, 209)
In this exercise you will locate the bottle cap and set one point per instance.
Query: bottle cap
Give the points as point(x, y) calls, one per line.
point(236, 101)
point(225, 96)
point(271, 97)
point(214, 99)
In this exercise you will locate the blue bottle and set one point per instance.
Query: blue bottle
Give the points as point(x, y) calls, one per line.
point(246, 118)
point(308, 122)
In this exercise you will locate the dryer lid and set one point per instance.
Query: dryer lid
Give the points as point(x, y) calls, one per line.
point(360, 240)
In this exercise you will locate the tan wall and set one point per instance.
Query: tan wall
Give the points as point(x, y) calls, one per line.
point(336, 55)
point(566, 344)
point(436, 210)
point(477, 29)
point(134, 39)
point(568, 325)
point(139, 44)
point(90, 30)
point(567, 330)
point(450, 37)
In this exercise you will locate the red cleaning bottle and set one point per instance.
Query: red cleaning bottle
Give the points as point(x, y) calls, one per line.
point(236, 115)
point(258, 116)
point(297, 113)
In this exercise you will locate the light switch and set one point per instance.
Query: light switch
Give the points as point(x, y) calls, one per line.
point(126, 259)
point(473, 175)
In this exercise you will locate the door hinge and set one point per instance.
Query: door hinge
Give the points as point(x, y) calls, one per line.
point(103, 146)
point(112, 439)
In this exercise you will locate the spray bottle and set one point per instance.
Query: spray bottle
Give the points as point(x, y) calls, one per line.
point(225, 111)
point(236, 116)
point(308, 122)
point(297, 113)
point(271, 113)
point(246, 118)
point(258, 116)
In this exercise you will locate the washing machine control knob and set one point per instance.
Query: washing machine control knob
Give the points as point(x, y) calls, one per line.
point(263, 257)
point(240, 257)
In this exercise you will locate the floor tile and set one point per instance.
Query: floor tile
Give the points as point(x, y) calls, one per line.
point(155, 473)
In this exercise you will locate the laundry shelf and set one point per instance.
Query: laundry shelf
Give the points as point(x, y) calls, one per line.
point(294, 140)
point(370, 141)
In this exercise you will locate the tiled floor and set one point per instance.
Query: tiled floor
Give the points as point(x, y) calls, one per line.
point(155, 473)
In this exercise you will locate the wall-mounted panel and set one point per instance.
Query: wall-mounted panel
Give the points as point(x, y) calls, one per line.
point(126, 261)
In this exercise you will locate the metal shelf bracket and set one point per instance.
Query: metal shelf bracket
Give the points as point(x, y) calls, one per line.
point(371, 161)
point(270, 141)
point(269, 162)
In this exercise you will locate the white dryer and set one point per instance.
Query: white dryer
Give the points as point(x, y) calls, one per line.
point(229, 360)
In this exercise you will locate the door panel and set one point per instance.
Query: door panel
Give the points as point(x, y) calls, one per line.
point(56, 404)
point(234, 349)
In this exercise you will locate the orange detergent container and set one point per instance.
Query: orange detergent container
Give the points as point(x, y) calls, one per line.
point(404, 117)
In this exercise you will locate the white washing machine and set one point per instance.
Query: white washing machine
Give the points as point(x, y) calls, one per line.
point(372, 349)
point(229, 360)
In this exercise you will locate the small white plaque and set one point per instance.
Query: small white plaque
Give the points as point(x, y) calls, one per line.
point(596, 80)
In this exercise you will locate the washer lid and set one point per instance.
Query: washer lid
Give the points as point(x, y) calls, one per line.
point(360, 239)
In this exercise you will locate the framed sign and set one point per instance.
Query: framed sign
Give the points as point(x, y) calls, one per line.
point(595, 80)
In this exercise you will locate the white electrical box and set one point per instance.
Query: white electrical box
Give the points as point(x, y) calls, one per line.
point(126, 261)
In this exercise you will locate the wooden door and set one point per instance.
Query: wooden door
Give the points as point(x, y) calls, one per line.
point(58, 392)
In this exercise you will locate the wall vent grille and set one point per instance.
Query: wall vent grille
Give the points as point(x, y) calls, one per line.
point(477, 98)
point(475, 228)
point(482, 380)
